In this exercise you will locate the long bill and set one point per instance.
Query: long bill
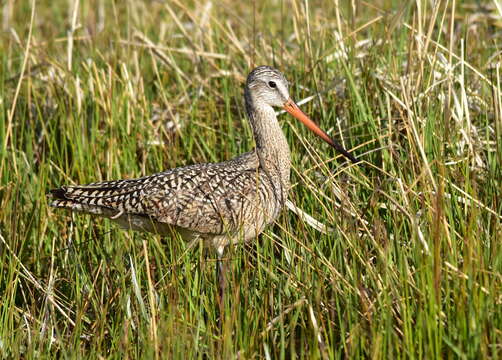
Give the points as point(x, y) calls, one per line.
point(294, 110)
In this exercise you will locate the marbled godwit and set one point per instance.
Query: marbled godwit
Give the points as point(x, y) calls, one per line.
point(220, 203)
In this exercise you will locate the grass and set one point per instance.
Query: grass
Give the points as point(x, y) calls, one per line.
point(409, 261)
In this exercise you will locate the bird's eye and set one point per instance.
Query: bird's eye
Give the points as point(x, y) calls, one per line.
point(272, 84)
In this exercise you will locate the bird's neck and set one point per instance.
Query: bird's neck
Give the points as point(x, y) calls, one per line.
point(271, 145)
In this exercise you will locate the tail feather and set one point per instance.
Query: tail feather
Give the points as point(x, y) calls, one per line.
point(59, 193)
point(105, 189)
point(97, 198)
point(62, 199)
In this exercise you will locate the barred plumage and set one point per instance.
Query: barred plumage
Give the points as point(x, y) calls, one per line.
point(221, 203)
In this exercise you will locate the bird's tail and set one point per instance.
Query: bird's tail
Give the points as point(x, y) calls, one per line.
point(103, 198)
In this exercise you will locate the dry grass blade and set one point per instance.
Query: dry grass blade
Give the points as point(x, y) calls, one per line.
point(398, 254)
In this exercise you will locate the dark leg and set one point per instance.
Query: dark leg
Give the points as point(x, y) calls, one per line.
point(221, 269)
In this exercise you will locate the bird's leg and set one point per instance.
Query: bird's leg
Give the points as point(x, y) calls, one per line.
point(221, 269)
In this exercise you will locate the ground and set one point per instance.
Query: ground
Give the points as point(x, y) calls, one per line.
point(398, 256)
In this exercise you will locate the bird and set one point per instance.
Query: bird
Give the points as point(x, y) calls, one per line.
point(219, 203)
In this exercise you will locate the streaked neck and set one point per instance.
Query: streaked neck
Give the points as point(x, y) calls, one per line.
point(271, 145)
